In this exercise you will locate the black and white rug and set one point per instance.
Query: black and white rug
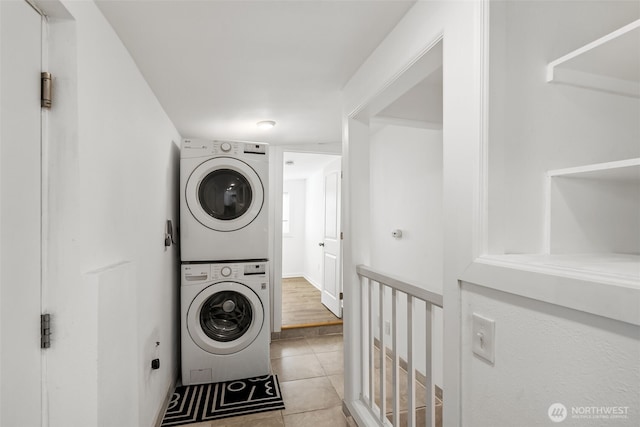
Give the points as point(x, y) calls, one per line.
point(195, 403)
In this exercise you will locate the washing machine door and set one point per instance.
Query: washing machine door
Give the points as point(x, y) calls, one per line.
point(225, 318)
point(224, 194)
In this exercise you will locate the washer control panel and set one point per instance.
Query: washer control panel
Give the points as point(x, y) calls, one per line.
point(255, 269)
point(199, 273)
point(225, 271)
point(195, 272)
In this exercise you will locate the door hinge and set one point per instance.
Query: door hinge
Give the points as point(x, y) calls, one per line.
point(45, 330)
point(46, 91)
point(341, 295)
point(341, 235)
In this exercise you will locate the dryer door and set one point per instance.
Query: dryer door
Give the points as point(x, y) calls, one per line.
point(225, 318)
point(224, 194)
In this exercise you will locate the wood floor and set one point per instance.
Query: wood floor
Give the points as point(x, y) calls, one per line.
point(301, 304)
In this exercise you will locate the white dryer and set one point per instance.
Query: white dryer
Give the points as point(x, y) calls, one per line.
point(223, 204)
point(225, 321)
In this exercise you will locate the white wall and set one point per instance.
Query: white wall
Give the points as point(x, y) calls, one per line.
point(302, 256)
point(406, 194)
point(293, 244)
point(546, 354)
point(460, 25)
point(538, 126)
point(113, 162)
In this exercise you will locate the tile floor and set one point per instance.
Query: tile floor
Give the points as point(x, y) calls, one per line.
point(310, 371)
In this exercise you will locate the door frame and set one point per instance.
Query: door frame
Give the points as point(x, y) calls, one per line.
point(31, 159)
point(276, 182)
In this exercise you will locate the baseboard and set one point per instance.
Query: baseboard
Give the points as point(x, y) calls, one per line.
point(317, 285)
point(167, 399)
point(292, 275)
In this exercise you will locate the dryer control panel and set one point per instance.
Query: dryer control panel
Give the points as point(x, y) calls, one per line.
point(192, 148)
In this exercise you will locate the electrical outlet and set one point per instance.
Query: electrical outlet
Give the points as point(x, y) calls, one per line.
point(483, 333)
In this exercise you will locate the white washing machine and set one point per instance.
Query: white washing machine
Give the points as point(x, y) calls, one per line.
point(223, 205)
point(225, 321)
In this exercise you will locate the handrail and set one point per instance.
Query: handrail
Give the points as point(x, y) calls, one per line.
point(399, 284)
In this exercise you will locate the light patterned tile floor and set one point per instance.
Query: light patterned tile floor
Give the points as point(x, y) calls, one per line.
point(311, 377)
point(310, 374)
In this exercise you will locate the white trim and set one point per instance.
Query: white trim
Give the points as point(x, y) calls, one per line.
point(361, 115)
point(589, 46)
point(293, 275)
point(614, 299)
point(420, 124)
point(557, 74)
point(370, 99)
point(276, 183)
point(45, 213)
point(596, 167)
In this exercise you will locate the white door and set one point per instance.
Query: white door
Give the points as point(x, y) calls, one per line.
point(331, 256)
point(20, 215)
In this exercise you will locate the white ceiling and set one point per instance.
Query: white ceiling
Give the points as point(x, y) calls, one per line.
point(305, 164)
point(218, 67)
point(421, 104)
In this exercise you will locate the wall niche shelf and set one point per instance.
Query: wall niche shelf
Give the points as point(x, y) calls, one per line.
point(594, 209)
point(609, 64)
point(593, 220)
point(607, 268)
point(622, 170)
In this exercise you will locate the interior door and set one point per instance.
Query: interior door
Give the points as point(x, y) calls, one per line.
point(20, 215)
point(331, 255)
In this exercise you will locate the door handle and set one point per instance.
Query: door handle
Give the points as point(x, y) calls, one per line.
point(320, 244)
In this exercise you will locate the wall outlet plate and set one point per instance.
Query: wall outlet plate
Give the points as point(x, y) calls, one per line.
point(483, 335)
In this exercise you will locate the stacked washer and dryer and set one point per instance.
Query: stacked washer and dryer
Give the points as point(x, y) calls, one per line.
point(224, 251)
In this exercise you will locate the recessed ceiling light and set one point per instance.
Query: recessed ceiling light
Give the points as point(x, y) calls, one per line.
point(266, 124)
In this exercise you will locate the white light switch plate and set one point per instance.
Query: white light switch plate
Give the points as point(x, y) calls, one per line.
point(483, 337)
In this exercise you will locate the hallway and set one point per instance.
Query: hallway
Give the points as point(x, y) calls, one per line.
point(301, 304)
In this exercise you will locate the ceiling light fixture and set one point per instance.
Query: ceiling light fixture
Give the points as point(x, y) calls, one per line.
point(266, 124)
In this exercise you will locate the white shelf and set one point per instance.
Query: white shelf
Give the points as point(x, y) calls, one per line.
point(603, 284)
point(623, 170)
point(610, 63)
point(594, 208)
point(618, 269)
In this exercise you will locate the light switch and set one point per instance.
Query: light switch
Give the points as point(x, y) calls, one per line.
point(483, 337)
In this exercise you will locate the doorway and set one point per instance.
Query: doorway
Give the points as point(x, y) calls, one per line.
point(310, 230)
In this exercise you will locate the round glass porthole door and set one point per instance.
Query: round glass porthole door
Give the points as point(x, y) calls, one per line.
point(224, 194)
point(225, 318)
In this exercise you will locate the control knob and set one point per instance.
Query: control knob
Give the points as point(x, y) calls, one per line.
point(225, 271)
point(225, 146)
